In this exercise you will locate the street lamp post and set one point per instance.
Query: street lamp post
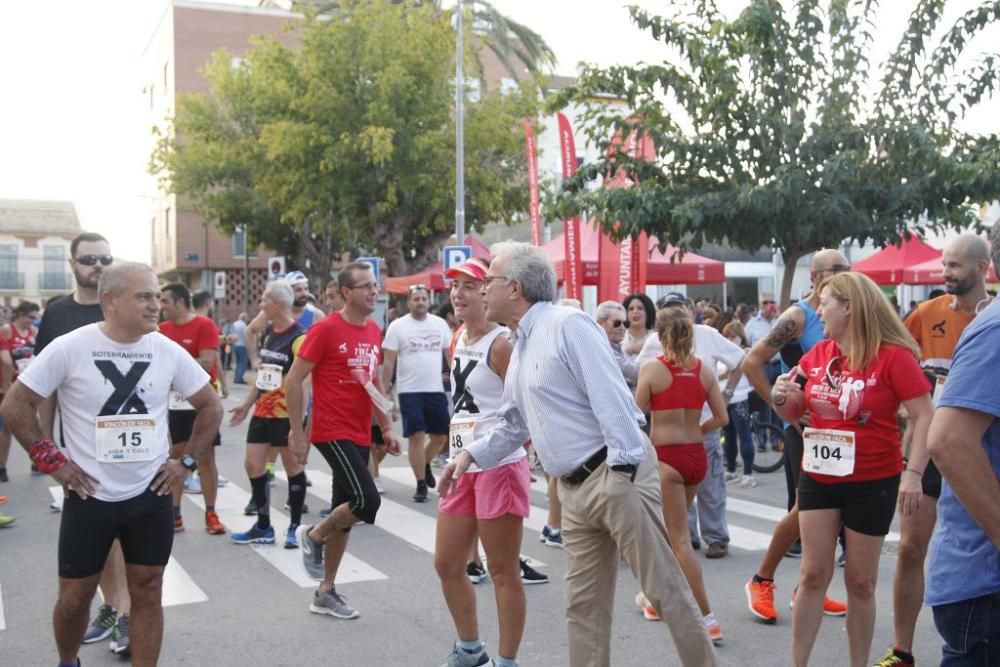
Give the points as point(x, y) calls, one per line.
point(459, 135)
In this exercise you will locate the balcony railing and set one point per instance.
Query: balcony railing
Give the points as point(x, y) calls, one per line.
point(12, 281)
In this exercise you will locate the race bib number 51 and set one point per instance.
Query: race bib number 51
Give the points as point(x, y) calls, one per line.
point(122, 439)
point(828, 452)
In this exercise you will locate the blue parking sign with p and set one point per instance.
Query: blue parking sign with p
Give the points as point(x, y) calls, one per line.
point(455, 255)
point(374, 263)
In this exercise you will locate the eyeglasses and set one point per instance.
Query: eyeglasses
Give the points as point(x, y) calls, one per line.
point(617, 323)
point(767, 303)
point(488, 280)
point(368, 287)
point(91, 260)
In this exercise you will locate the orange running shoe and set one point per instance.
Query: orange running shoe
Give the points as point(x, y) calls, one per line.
point(760, 599)
point(714, 631)
point(831, 607)
point(3, 499)
point(648, 610)
point(213, 525)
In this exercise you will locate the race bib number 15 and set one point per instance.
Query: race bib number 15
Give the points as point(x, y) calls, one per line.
point(125, 439)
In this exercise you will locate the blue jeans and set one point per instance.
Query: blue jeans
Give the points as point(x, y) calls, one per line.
point(971, 631)
point(737, 431)
point(242, 363)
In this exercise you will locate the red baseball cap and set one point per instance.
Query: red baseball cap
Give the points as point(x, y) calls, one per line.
point(474, 268)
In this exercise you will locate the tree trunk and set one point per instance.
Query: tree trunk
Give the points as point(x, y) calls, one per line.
point(791, 257)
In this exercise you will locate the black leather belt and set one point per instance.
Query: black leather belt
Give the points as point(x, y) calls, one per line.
point(580, 475)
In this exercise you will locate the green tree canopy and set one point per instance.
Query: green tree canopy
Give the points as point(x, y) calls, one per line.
point(347, 138)
point(774, 129)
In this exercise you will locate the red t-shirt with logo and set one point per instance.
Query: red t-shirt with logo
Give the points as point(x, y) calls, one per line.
point(197, 335)
point(346, 357)
point(864, 403)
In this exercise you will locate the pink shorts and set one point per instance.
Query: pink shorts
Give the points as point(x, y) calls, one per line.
point(490, 494)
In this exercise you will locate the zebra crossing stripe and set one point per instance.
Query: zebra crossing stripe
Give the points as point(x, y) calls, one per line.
point(178, 586)
point(409, 525)
point(3, 619)
point(229, 504)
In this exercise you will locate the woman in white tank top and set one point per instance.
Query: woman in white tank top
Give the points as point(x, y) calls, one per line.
point(489, 503)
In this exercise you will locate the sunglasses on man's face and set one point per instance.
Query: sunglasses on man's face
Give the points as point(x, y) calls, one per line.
point(618, 323)
point(91, 260)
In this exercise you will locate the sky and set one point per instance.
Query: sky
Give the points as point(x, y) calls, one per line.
point(72, 121)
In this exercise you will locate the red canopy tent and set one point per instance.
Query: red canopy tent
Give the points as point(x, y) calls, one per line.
point(888, 266)
point(692, 269)
point(433, 275)
point(931, 273)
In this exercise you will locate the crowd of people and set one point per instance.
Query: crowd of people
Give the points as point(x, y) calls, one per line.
point(115, 391)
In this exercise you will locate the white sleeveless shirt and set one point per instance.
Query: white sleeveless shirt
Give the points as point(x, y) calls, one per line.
point(477, 392)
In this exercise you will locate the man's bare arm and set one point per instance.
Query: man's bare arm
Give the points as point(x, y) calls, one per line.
point(250, 336)
point(388, 369)
point(955, 444)
point(207, 419)
point(786, 329)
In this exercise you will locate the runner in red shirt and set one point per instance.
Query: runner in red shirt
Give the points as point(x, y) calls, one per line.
point(854, 384)
point(341, 353)
point(17, 348)
point(199, 337)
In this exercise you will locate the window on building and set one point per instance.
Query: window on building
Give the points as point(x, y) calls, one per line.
point(166, 222)
point(152, 90)
point(165, 74)
point(9, 276)
point(239, 245)
point(54, 275)
point(508, 86)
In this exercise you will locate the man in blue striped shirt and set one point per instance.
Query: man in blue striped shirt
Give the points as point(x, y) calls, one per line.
point(565, 392)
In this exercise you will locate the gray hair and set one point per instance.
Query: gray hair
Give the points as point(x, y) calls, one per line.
point(115, 277)
point(528, 265)
point(606, 309)
point(279, 292)
point(571, 303)
point(995, 251)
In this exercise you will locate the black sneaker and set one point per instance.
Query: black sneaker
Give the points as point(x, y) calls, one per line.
point(429, 477)
point(3, 474)
point(530, 575)
point(477, 573)
point(421, 495)
point(795, 551)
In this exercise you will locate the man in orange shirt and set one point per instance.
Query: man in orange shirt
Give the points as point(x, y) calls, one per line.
point(936, 324)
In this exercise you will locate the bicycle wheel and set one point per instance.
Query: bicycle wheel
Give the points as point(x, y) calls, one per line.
point(769, 441)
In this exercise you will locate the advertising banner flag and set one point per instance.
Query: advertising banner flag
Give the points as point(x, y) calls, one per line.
point(534, 208)
point(574, 263)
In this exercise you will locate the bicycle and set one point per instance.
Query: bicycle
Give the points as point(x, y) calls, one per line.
point(769, 443)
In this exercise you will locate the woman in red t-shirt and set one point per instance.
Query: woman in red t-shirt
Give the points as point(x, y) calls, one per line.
point(854, 383)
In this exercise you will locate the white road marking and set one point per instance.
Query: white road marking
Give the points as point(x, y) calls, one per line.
point(3, 620)
point(229, 505)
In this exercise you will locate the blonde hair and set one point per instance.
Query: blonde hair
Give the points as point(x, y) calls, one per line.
point(873, 322)
point(675, 329)
point(734, 328)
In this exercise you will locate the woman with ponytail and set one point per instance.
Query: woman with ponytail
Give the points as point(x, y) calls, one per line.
point(673, 388)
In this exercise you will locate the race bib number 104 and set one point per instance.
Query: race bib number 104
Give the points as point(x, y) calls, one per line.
point(828, 452)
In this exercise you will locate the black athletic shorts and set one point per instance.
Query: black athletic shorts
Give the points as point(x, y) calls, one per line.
point(181, 424)
point(144, 525)
point(866, 507)
point(352, 483)
point(931, 481)
point(269, 431)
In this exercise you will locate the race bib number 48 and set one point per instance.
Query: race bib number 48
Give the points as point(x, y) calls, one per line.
point(460, 435)
point(124, 439)
point(828, 452)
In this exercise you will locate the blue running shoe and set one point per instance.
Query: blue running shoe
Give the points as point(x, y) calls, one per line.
point(291, 541)
point(256, 535)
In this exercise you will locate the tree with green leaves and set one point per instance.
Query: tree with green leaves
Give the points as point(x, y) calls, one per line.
point(347, 138)
point(775, 130)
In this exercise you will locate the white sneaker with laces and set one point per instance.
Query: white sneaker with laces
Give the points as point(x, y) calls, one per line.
point(748, 482)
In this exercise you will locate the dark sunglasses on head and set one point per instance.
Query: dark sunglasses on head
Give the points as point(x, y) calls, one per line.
point(618, 323)
point(91, 260)
point(414, 288)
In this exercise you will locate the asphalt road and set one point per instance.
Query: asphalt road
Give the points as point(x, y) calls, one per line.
point(227, 604)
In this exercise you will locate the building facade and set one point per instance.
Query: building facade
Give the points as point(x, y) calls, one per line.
point(34, 249)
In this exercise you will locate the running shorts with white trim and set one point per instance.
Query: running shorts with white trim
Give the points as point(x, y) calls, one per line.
point(352, 483)
point(144, 525)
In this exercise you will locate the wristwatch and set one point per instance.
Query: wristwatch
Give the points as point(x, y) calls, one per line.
point(728, 393)
point(189, 462)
